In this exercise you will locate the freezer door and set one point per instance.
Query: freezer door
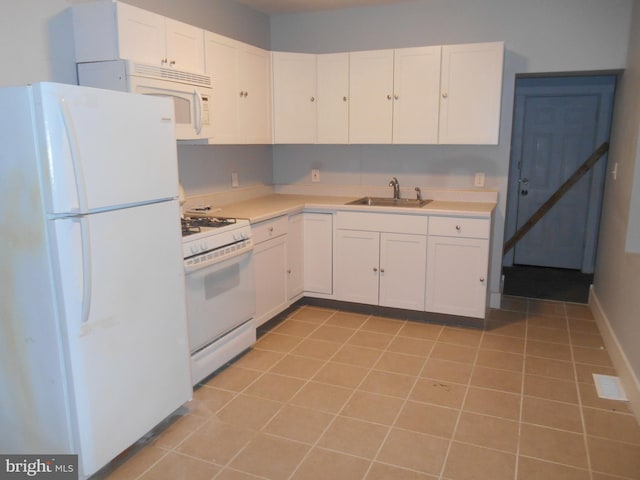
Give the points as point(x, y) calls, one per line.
point(129, 358)
point(101, 149)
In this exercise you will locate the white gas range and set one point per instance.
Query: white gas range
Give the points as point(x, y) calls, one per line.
point(218, 256)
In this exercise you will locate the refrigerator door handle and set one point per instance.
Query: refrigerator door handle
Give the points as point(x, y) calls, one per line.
point(72, 138)
point(85, 231)
point(87, 268)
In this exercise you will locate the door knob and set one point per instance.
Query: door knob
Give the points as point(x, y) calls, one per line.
point(524, 181)
point(524, 192)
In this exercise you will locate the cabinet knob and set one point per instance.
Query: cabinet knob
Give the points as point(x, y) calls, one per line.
point(289, 271)
point(270, 229)
point(313, 99)
point(344, 99)
point(445, 94)
point(375, 269)
point(163, 61)
point(172, 63)
point(458, 227)
point(481, 279)
point(382, 270)
point(396, 96)
point(389, 97)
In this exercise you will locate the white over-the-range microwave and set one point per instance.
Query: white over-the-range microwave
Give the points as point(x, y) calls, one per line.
point(190, 92)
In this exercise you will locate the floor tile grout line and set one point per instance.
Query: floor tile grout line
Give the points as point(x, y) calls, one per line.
point(405, 401)
point(580, 404)
point(268, 421)
point(521, 412)
point(462, 404)
point(354, 390)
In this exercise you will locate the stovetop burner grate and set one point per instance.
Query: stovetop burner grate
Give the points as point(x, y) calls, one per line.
point(191, 225)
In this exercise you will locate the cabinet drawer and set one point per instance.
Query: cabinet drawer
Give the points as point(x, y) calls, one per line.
point(382, 222)
point(269, 229)
point(459, 227)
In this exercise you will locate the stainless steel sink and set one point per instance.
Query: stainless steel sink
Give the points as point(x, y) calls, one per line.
point(389, 202)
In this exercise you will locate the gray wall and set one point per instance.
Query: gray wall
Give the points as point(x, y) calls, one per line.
point(617, 277)
point(540, 36)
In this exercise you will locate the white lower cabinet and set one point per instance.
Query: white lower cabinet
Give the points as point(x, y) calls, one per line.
point(295, 256)
point(385, 268)
point(318, 253)
point(457, 266)
point(270, 265)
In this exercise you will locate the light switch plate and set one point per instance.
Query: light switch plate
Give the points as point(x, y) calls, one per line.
point(234, 179)
point(315, 174)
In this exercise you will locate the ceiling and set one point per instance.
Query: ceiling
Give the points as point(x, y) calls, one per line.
point(295, 6)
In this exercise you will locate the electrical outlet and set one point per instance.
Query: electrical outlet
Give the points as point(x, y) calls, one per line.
point(234, 179)
point(479, 180)
point(315, 174)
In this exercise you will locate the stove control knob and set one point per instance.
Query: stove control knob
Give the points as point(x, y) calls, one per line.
point(194, 248)
point(203, 246)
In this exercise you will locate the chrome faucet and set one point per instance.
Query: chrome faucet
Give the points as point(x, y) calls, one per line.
point(396, 188)
point(418, 193)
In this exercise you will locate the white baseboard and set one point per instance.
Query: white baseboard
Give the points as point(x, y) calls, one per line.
point(620, 361)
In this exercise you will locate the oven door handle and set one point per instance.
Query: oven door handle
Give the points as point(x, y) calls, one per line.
point(214, 261)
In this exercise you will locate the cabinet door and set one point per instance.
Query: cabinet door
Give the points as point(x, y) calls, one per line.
point(402, 270)
point(294, 97)
point(254, 74)
point(333, 98)
point(221, 60)
point(141, 35)
point(416, 103)
point(318, 253)
point(370, 96)
point(295, 255)
point(356, 266)
point(269, 263)
point(471, 91)
point(457, 276)
point(185, 46)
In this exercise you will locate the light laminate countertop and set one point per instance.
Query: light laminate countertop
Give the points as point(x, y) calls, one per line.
point(270, 206)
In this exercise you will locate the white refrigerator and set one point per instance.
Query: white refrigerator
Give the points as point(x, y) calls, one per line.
point(93, 333)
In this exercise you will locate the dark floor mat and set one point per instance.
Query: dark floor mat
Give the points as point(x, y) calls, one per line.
point(547, 283)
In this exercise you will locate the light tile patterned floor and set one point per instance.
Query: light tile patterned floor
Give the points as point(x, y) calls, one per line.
point(333, 395)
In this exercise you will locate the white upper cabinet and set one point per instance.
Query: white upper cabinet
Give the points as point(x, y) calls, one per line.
point(294, 97)
point(394, 96)
point(416, 87)
point(184, 46)
point(333, 98)
point(370, 96)
point(114, 30)
point(471, 91)
point(242, 90)
point(310, 97)
point(254, 67)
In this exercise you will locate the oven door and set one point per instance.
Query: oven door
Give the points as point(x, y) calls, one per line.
point(220, 297)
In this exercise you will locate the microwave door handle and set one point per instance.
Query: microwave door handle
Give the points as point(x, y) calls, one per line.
point(199, 120)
